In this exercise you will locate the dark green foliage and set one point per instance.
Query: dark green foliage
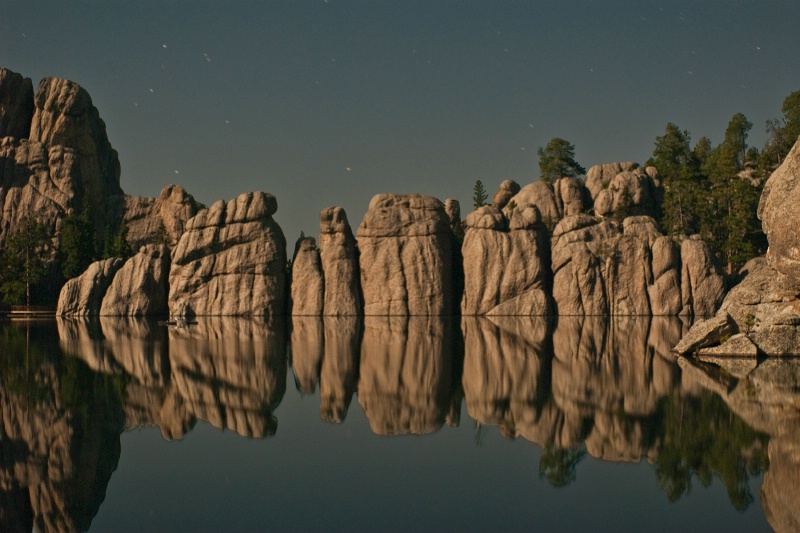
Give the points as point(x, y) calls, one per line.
point(118, 245)
point(684, 187)
point(479, 195)
point(558, 464)
point(24, 260)
point(557, 160)
point(731, 225)
point(702, 439)
point(76, 249)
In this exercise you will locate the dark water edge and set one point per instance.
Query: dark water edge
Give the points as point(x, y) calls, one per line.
point(386, 424)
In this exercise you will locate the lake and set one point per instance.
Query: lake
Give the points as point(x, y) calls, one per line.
point(390, 424)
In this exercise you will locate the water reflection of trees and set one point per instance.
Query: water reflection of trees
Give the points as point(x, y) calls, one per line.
point(609, 389)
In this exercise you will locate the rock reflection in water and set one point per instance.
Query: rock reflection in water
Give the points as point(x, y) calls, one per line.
point(325, 350)
point(308, 345)
point(406, 373)
point(59, 434)
point(339, 374)
point(607, 374)
point(507, 374)
point(231, 372)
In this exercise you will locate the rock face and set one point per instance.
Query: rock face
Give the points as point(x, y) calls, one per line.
point(631, 192)
point(506, 191)
point(406, 250)
point(599, 176)
point(779, 211)
point(83, 296)
point(54, 155)
point(339, 256)
point(231, 260)
point(144, 217)
point(308, 282)
point(764, 307)
point(506, 263)
point(598, 270)
point(140, 287)
point(566, 196)
point(16, 105)
point(65, 116)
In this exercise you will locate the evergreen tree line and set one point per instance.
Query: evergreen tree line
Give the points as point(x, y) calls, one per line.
point(714, 191)
point(708, 190)
point(33, 269)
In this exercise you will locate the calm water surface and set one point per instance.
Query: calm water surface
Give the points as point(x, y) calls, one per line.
point(421, 424)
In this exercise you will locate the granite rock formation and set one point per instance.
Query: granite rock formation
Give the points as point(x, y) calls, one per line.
point(231, 260)
point(16, 105)
point(507, 190)
point(633, 192)
point(83, 296)
point(506, 263)
point(340, 264)
point(406, 256)
point(602, 269)
point(564, 197)
point(146, 218)
point(308, 281)
point(779, 211)
point(140, 287)
point(55, 157)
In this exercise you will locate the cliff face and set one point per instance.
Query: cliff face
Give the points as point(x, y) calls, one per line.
point(55, 155)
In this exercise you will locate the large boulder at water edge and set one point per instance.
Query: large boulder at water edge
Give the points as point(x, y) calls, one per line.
point(506, 263)
point(83, 296)
point(601, 268)
point(231, 260)
point(339, 255)
point(308, 283)
point(140, 287)
point(406, 250)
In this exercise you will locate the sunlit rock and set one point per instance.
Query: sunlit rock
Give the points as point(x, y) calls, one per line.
point(308, 282)
point(505, 263)
point(406, 257)
point(140, 287)
point(230, 261)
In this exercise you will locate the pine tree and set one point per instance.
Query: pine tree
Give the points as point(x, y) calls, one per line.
point(557, 160)
point(76, 245)
point(24, 260)
point(684, 194)
point(118, 245)
point(479, 195)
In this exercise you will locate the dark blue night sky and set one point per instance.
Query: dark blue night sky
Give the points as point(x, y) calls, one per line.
point(329, 102)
